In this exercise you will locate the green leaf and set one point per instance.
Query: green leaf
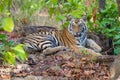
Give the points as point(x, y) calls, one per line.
point(103, 11)
point(3, 37)
point(20, 53)
point(117, 51)
point(70, 1)
point(11, 43)
point(10, 58)
point(60, 17)
point(19, 48)
point(51, 11)
point(2, 47)
point(8, 24)
point(1, 8)
point(54, 2)
point(117, 37)
point(117, 42)
point(111, 30)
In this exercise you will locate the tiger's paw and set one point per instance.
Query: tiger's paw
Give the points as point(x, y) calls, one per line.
point(54, 50)
point(93, 45)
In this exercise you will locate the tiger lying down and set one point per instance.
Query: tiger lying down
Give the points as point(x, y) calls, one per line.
point(74, 38)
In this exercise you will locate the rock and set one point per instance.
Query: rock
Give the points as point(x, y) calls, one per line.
point(115, 68)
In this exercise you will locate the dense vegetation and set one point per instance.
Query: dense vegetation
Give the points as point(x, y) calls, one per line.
point(105, 21)
point(98, 21)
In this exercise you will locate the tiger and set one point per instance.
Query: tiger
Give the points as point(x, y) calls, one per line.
point(79, 30)
point(74, 37)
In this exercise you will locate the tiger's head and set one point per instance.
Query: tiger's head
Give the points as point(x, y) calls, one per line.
point(78, 29)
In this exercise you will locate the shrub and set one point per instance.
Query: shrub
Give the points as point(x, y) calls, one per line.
point(9, 51)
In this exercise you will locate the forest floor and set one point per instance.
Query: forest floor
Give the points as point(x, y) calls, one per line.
point(64, 65)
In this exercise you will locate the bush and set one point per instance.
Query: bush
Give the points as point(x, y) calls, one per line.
point(97, 21)
point(9, 51)
point(108, 23)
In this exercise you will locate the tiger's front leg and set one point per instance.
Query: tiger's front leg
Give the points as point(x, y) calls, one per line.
point(86, 51)
point(53, 50)
point(93, 45)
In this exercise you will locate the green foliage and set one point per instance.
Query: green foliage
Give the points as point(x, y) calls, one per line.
point(25, 8)
point(5, 5)
point(14, 53)
point(19, 51)
point(117, 42)
point(9, 51)
point(105, 18)
point(109, 24)
point(108, 17)
point(8, 24)
point(64, 8)
point(12, 12)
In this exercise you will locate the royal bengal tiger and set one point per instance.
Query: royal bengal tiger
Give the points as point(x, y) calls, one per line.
point(74, 37)
point(79, 30)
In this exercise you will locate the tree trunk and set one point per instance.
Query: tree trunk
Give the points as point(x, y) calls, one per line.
point(118, 2)
point(102, 4)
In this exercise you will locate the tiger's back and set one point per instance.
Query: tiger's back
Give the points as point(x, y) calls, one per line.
point(44, 39)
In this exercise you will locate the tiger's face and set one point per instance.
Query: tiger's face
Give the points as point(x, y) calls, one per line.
point(77, 27)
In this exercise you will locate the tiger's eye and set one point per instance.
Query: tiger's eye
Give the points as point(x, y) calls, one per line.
point(81, 25)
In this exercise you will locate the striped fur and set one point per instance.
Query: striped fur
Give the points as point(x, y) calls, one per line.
point(42, 40)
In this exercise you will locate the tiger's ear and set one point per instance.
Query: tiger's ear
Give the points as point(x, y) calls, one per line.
point(84, 17)
point(69, 18)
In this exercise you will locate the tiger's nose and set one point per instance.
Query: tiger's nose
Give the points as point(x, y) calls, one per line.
point(78, 34)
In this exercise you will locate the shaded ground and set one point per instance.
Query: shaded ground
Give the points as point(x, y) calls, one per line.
point(64, 64)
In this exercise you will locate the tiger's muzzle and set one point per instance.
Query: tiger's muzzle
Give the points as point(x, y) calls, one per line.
point(77, 34)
